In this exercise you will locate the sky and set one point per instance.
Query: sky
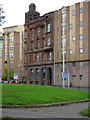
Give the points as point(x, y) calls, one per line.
point(15, 9)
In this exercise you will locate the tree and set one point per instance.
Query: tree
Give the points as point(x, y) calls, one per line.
point(5, 75)
point(2, 17)
point(11, 74)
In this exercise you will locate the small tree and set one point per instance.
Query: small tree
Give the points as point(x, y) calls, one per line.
point(5, 75)
point(11, 74)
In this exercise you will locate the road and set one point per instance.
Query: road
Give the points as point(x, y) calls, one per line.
point(66, 111)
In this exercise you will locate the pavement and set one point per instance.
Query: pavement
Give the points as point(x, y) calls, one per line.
point(81, 89)
point(65, 111)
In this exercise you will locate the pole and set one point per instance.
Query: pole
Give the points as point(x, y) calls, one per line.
point(54, 49)
point(63, 50)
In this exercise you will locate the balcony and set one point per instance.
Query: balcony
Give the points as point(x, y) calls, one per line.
point(45, 48)
point(38, 63)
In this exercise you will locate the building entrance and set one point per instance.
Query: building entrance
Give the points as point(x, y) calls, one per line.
point(50, 76)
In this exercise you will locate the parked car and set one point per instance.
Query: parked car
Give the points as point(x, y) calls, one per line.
point(14, 82)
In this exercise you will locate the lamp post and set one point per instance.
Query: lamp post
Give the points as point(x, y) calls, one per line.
point(64, 46)
point(63, 50)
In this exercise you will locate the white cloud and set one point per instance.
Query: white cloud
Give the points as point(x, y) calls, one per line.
point(15, 9)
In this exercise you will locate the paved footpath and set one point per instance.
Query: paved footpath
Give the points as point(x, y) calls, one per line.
point(66, 111)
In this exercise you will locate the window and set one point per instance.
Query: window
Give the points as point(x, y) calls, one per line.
point(10, 55)
point(33, 34)
point(38, 44)
point(48, 41)
point(81, 23)
point(11, 47)
point(0, 54)
point(25, 71)
point(64, 17)
point(37, 57)
point(11, 39)
point(43, 57)
point(50, 55)
point(32, 45)
point(31, 58)
point(39, 32)
point(73, 12)
point(73, 64)
point(25, 59)
point(63, 30)
point(31, 74)
point(48, 28)
point(44, 30)
point(81, 10)
point(5, 46)
point(5, 62)
point(70, 26)
point(30, 19)
point(1, 41)
point(64, 42)
point(12, 30)
point(11, 63)
point(81, 37)
point(73, 38)
point(70, 52)
point(81, 50)
point(81, 77)
point(7, 30)
point(73, 77)
point(44, 43)
point(1, 47)
point(5, 54)
point(25, 34)
point(5, 38)
point(81, 64)
point(37, 74)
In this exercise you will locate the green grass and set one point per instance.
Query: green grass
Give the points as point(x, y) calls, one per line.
point(24, 94)
point(85, 112)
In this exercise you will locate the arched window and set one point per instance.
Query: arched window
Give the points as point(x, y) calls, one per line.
point(31, 74)
point(37, 74)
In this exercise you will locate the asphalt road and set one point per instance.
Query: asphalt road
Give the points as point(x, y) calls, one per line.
point(66, 111)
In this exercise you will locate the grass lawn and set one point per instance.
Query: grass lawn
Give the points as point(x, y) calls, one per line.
point(86, 112)
point(24, 94)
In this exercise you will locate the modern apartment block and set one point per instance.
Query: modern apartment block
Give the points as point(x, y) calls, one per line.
point(43, 49)
point(12, 51)
point(76, 36)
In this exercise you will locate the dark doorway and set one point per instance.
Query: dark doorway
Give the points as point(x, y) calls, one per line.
point(50, 75)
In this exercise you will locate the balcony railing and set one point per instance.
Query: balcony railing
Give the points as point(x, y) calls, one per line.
point(44, 48)
point(39, 63)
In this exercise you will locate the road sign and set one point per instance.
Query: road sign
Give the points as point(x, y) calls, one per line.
point(15, 76)
point(44, 68)
point(65, 75)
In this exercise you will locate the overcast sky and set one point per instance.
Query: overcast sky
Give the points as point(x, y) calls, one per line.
point(15, 9)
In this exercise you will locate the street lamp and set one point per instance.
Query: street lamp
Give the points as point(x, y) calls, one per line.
point(64, 46)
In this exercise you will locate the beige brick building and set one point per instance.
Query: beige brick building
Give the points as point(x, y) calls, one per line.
point(12, 50)
point(77, 44)
point(43, 42)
